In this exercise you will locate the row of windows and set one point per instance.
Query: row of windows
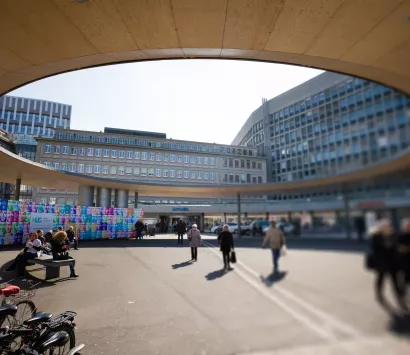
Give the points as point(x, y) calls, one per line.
point(241, 163)
point(27, 129)
point(23, 117)
point(122, 154)
point(334, 93)
point(152, 144)
point(242, 178)
point(337, 120)
point(129, 170)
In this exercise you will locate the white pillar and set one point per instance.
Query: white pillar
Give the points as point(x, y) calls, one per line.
point(85, 195)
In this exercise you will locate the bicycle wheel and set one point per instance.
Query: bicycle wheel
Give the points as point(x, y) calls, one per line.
point(25, 310)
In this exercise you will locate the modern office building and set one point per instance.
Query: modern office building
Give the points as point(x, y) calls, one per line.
point(27, 119)
point(144, 156)
point(329, 125)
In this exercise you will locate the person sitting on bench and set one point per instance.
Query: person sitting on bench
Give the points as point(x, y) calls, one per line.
point(33, 245)
point(58, 245)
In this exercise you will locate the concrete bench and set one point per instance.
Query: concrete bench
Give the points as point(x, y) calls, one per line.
point(52, 266)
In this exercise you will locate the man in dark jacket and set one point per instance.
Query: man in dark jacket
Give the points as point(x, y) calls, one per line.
point(181, 229)
point(71, 237)
point(225, 240)
point(139, 227)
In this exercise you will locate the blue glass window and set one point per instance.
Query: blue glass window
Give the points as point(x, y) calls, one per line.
point(358, 82)
point(398, 102)
point(314, 100)
point(400, 119)
point(331, 138)
point(352, 116)
point(317, 127)
point(359, 97)
point(339, 136)
point(342, 90)
point(286, 111)
point(321, 97)
point(340, 153)
point(334, 92)
point(276, 116)
point(345, 118)
point(350, 100)
point(343, 103)
point(356, 148)
point(291, 110)
point(377, 90)
point(388, 104)
point(302, 106)
point(297, 108)
point(308, 102)
point(349, 86)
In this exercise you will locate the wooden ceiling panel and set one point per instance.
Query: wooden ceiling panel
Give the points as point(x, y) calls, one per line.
point(349, 26)
point(249, 23)
point(298, 24)
point(10, 61)
point(386, 36)
point(150, 22)
point(40, 32)
point(397, 60)
point(199, 21)
point(100, 23)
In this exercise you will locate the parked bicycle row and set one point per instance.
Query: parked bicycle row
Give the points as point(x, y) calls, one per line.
point(24, 330)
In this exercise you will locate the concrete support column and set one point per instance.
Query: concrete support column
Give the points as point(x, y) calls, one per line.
point(85, 195)
point(103, 197)
point(239, 215)
point(202, 223)
point(289, 217)
point(17, 190)
point(225, 218)
point(121, 198)
point(136, 200)
point(347, 212)
point(267, 216)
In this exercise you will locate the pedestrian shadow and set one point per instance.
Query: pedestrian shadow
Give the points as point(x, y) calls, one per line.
point(184, 264)
point(273, 278)
point(215, 274)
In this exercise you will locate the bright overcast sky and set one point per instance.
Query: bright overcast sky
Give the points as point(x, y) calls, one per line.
point(199, 100)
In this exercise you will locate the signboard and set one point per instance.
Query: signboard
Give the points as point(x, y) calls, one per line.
point(43, 221)
point(180, 209)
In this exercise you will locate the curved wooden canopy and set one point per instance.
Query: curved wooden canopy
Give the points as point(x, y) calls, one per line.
point(366, 38)
point(35, 174)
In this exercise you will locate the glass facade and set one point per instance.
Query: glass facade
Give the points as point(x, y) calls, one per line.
point(349, 124)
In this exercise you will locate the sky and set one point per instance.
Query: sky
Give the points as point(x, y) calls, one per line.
point(198, 100)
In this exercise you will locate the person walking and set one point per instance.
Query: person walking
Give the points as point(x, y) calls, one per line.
point(181, 229)
point(225, 240)
point(195, 241)
point(276, 239)
point(139, 227)
point(385, 260)
point(71, 237)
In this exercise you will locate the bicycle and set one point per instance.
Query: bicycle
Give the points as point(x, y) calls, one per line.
point(13, 296)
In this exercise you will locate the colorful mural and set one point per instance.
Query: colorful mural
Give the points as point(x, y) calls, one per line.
point(18, 219)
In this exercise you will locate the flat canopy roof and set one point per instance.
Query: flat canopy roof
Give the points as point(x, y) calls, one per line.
point(35, 174)
point(370, 39)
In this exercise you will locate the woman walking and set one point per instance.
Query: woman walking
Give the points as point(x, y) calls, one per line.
point(386, 260)
point(195, 241)
point(225, 241)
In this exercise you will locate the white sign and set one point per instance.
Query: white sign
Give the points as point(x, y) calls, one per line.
point(43, 221)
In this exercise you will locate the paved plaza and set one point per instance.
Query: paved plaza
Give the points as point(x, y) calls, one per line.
point(145, 297)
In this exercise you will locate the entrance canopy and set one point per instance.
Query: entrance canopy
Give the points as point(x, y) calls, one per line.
point(34, 174)
point(367, 38)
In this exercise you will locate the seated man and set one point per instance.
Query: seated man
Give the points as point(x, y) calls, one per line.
point(29, 252)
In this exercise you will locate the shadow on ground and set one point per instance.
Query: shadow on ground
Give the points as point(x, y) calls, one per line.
point(273, 278)
point(183, 264)
point(317, 244)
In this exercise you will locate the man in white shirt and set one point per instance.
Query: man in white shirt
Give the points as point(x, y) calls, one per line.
point(33, 246)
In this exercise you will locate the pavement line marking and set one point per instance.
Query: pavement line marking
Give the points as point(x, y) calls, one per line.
point(342, 326)
point(346, 328)
point(302, 319)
